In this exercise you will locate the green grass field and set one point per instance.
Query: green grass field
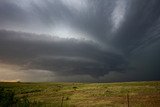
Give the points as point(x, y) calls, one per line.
point(122, 94)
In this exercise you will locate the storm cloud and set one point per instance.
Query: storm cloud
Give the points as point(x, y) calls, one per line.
point(80, 40)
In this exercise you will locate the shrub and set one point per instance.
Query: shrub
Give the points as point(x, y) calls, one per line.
point(8, 99)
point(75, 88)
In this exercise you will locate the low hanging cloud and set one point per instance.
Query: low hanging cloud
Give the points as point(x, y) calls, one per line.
point(62, 56)
point(91, 40)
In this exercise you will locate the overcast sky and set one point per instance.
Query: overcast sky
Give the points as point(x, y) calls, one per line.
point(79, 40)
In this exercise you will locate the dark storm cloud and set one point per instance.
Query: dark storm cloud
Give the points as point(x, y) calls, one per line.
point(42, 16)
point(143, 16)
point(120, 36)
point(62, 56)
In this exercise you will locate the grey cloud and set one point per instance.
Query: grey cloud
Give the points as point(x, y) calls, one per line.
point(29, 39)
point(94, 20)
point(142, 17)
point(62, 56)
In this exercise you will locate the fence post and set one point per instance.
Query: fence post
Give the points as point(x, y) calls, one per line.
point(62, 101)
point(127, 99)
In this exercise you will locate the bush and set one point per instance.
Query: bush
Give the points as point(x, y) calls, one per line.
point(75, 88)
point(8, 99)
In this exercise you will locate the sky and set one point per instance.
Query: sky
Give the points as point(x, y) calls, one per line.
point(79, 40)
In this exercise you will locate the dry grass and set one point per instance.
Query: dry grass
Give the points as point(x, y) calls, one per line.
point(141, 94)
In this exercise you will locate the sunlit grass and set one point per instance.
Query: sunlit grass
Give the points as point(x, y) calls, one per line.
point(141, 94)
